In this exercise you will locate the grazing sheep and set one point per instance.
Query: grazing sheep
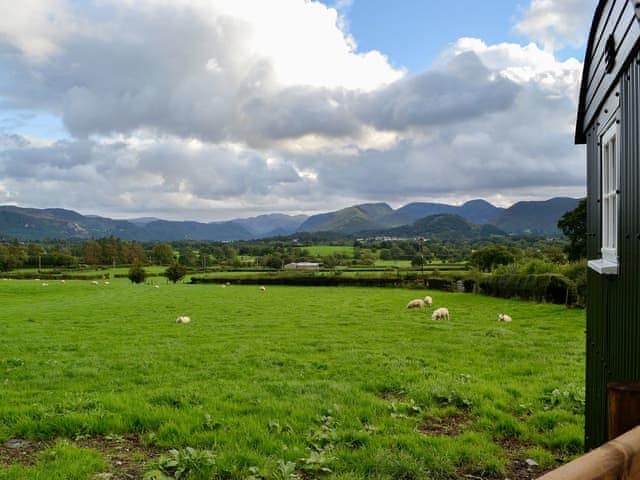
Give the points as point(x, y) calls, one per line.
point(94, 282)
point(37, 279)
point(223, 286)
point(228, 284)
point(183, 319)
point(45, 284)
point(428, 300)
point(62, 281)
point(417, 303)
point(156, 286)
point(440, 314)
point(263, 289)
point(503, 317)
point(106, 283)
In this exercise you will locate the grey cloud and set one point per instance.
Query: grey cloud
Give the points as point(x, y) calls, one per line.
point(141, 70)
point(464, 129)
point(466, 89)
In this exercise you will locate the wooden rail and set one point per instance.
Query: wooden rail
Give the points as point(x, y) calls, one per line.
point(618, 459)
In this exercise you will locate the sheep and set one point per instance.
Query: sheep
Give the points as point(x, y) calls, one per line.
point(106, 283)
point(440, 314)
point(428, 300)
point(45, 284)
point(156, 286)
point(263, 289)
point(224, 286)
point(62, 281)
point(416, 303)
point(503, 317)
point(94, 282)
point(183, 319)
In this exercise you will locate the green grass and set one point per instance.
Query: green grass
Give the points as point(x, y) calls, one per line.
point(325, 250)
point(339, 383)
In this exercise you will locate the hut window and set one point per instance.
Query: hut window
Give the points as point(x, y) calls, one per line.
point(610, 164)
point(610, 186)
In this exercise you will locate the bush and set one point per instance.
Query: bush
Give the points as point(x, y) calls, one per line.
point(136, 274)
point(175, 272)
point(469, 285)
point(551, 288)
point(577, 272)
point(439, 283)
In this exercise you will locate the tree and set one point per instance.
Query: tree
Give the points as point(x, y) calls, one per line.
point(489, 257)
point(574, 225)
point(188, 258)
point(273, 261)
point(91, 252)
point(175, 272)
point(162, 254)
point(137, 274)
point(417, 260)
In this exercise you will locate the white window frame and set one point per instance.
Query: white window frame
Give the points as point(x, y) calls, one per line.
point(609, 201)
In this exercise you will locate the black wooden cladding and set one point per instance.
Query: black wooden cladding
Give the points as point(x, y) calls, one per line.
point(615, 22)
point(613, 311)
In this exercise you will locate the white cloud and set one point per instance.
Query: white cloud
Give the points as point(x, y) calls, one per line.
point(557, 23)
point(209, 108)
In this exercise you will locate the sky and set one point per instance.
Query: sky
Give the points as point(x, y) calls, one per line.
point(217, 109)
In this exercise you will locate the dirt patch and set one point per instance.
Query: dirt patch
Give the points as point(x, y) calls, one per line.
point(125, 455)
point(450, 425)
point(392, 396)
point(518, 468)
point(21, 451)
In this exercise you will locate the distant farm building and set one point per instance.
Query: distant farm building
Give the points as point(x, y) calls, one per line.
point(302, 266)
point(609, 124)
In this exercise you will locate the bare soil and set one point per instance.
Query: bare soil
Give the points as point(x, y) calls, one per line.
point(450, 425)
point(125, 455)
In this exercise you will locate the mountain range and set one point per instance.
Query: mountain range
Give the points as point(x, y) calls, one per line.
point(522, 217)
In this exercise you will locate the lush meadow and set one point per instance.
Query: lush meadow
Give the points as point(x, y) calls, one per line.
point(294, 382)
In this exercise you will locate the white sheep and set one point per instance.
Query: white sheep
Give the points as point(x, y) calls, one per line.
point(62, 281)
point(503, 317)
point(416, 303)
point(228, 284)
point(45, 284)
point(156, 286)
point(183, 319)
point(263, 289)
point(106, 283)
point(428, 300)
point(94, 282)
point(440, 314)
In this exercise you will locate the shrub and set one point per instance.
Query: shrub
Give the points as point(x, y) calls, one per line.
point(577, 271)
point(439, 283)
point(175, 272)
point(469, 285)
point(551, 288)
point(137, 274)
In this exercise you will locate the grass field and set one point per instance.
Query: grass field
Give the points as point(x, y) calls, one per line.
point(324, 250)
point(340, 383)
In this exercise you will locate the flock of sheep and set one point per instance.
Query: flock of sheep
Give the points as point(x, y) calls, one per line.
point(442, 313)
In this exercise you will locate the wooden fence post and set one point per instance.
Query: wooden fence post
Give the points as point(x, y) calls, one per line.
point(624, 407)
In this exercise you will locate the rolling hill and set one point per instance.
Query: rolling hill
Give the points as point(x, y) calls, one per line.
point(368, 216)
point(538, 218)
point(535, 217)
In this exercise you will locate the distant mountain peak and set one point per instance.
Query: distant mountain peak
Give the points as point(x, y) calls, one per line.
point(538, 217)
